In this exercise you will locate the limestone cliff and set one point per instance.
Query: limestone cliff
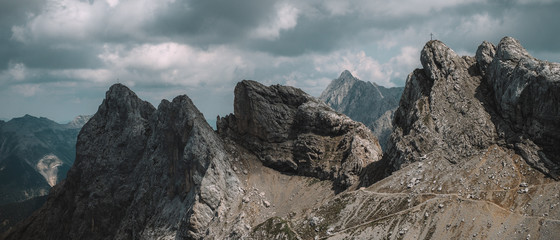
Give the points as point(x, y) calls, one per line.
point(293, 132)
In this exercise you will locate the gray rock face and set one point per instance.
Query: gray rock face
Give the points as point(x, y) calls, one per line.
point(442, 111)
point(484, 56)
point(456, 106)
point(293, 132)
point(364, 102)
point(527, 93)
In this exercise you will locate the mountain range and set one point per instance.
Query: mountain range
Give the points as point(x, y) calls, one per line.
point(35, 154)
point(472, 154)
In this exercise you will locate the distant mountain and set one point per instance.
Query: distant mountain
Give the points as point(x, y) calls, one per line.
point(366, 102)
point(78, 121)
point(35, 154)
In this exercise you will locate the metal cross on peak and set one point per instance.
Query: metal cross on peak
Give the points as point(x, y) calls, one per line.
point(431, 36)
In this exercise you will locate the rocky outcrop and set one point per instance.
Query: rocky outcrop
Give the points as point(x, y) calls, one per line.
point(456, 106)
point(527, 93)
point(364, 102)
point(293, 132)
point(442, 112)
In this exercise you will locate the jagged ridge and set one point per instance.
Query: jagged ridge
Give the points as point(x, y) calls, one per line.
point(142, 172)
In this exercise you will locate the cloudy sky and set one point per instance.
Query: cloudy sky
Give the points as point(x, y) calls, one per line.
point(58, 57)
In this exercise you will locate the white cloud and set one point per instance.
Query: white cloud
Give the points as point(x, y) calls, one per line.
point(177, 64)
point(75, 21)
point(285, 19)
point(87, 75)
point(157, 48)
point(404, 63)
point(337, 7)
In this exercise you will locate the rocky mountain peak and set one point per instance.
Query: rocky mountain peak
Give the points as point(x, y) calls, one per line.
point(252, 98)
point(122, 105)
point(526, 98)
point(467, 103)
point(484, 56)
point(79, 121)
point(441, 112)
point(510, 49)
point(439, 60)
point(142, 172)
point(347, 76)
point(294, 132)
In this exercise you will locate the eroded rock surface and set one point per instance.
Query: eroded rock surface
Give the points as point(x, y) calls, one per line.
point(293, 132)
point(442, 112)
point(527, 93)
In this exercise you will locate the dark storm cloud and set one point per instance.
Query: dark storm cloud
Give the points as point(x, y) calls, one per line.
point(17, 11)
point(209, 22)
point(328, 33)
point(47, 57)
point(13, 13)
point(539, 26)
